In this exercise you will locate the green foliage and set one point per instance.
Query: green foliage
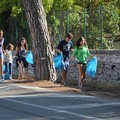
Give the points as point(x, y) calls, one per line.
point(13, 17)
point(15, 11)
point(62, 4)
point(47, 5)
point(10, 5)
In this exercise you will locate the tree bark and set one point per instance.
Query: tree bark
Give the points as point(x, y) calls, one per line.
point(43, 58)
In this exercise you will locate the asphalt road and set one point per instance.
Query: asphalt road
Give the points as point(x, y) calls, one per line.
point(31, 103)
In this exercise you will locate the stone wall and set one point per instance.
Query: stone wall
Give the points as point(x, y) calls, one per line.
point(108, 67)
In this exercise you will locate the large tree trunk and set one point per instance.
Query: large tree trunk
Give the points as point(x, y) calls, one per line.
point(36, 18)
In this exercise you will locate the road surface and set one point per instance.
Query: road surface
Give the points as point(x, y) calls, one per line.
point(18, 102)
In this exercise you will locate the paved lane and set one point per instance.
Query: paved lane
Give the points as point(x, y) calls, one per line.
point(29, 103)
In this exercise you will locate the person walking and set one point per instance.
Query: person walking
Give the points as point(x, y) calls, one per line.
point(21, 49)
point(1, 54)
point(65, 46)
point(81, 53)
point(8, 60)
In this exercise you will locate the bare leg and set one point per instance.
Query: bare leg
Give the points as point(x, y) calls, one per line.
point(84, 71)
point(20, 72)
point(80, 71)
point(0, 66)
point(64, 73)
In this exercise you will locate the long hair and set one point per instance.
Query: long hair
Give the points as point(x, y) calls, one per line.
point(25, 45)
point(79, 40)
point(1, 32)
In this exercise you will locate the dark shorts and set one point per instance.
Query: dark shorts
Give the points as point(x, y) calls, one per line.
point(65, 64)
point(77, 62)
point(22, 59)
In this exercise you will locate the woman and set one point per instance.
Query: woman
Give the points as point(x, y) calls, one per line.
point(21, 50)
point(81, 53)
point(1, 53)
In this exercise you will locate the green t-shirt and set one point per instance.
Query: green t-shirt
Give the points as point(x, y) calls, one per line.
point(81, 53)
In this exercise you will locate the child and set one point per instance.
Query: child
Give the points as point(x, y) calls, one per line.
point(8, 60)
point(81, 53)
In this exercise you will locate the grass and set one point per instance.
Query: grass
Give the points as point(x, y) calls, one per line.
point(103, 88)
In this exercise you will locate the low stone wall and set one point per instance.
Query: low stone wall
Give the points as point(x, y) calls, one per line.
point(108, 67)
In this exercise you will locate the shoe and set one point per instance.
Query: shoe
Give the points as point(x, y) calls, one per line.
point(1, 78)
point(10, 78)
point(64, 83)
point(80, 85)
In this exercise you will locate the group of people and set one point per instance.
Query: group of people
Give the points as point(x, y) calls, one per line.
point(6, 57)
point(80, 55)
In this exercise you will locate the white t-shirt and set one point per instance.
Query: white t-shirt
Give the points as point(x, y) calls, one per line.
point(8, 56)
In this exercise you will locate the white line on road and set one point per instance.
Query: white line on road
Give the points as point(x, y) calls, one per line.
point(4, 87)
point(91, 105)
point(48, 95)
point(53, 109)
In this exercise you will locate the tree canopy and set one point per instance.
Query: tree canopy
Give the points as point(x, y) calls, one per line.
point(78, 16)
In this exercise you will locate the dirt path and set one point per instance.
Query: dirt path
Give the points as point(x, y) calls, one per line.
point(87, 89)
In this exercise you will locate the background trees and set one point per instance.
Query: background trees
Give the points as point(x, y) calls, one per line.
point(81, 17)
point(96, 20)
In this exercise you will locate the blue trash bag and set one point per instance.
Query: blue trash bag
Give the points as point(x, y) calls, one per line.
point(58, 61)
point(7, 76)
point(3, 68)
point(91, 67)
point(29, 57)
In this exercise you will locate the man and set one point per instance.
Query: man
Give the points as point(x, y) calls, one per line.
point(1, 53)
point(65, 46)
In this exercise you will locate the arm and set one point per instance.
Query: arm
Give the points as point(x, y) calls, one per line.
point(89, 55)
point(16, 51)
point(59, 47)
point(74, 53)
point(58, 50)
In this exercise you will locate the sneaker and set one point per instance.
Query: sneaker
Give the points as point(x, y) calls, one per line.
point(10, 78)
point(1, 78)
point(80, 85)
point(64, 83)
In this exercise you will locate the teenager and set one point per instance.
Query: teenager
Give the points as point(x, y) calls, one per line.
point(65, 46)
point(21, 62)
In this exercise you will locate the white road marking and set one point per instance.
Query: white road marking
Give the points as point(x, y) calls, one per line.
point(53, 109)
point(2, 87)
point(48, 95)
point(33, 88)
point(91, 105)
